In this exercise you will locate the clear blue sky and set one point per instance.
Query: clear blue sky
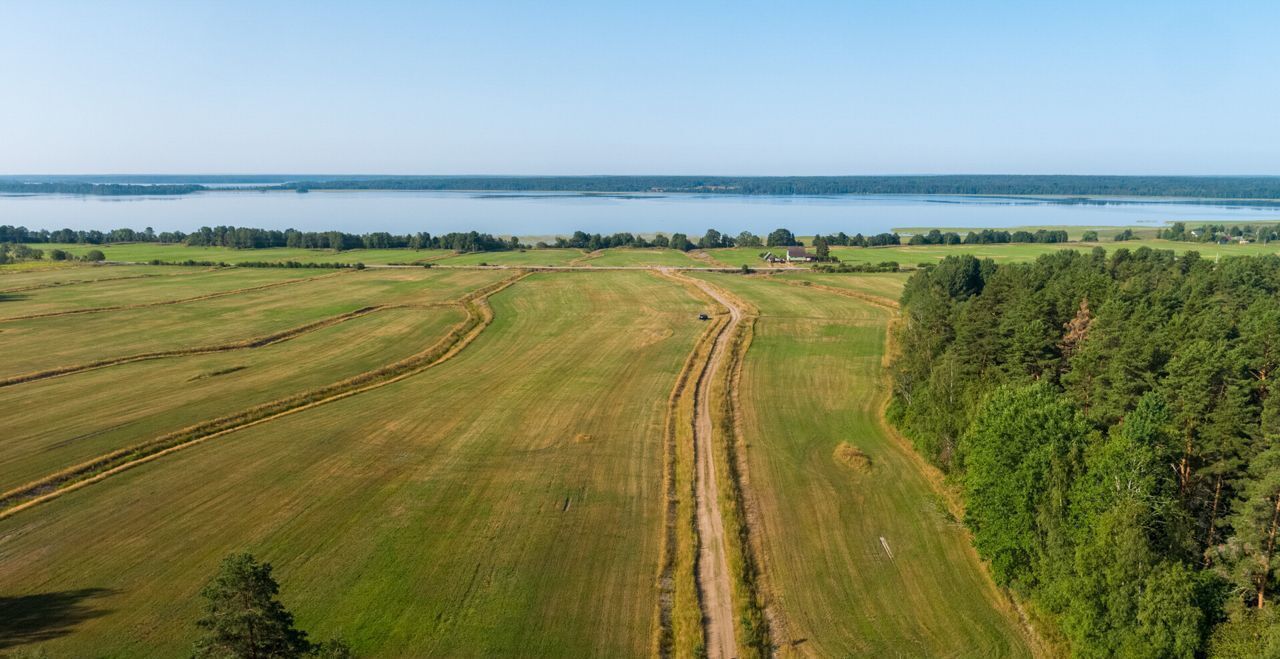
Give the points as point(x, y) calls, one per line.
point(630, 88)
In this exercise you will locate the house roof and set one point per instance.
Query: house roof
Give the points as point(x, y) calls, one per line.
point(796, 251)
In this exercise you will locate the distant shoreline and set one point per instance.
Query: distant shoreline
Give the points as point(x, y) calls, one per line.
point(1254, 190)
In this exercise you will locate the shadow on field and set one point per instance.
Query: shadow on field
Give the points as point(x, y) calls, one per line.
point(12, 297)
point(44, 616)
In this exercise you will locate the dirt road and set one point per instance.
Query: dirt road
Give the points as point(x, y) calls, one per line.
point(713, 568)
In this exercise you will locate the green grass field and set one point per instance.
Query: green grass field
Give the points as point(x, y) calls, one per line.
point(734, 257)
point(48, 342)
point(529, 257)
point(811, 381)
point(642, 257)
point(910, 256)
point(510, 499)
point(507, 501)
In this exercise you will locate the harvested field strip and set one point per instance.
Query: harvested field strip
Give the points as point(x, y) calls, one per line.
point(256, 342)
point(47, 343)
point(207, 296)
point(877, 300)
point(479, 316)
point(73, 282)
point(63, 421)
point(410, 520)
point(679, 627)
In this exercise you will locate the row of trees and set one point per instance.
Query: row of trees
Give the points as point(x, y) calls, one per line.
point(1113, 425)
point(12, 234)
point(1214, 233)
point(18, 252)
point(990, 236)
point(250, 238)
point(858, 240)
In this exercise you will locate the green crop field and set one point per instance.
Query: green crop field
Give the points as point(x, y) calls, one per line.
point(528, 257)
point(459, 461)
point(622, 257)
point(812, 381)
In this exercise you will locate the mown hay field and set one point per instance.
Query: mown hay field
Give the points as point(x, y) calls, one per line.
point(48, 342)
point(511, 497)
point(506, 501)
point(811, 383)
point(622, 257)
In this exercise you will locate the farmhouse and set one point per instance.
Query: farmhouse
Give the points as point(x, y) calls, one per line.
point(798, 254)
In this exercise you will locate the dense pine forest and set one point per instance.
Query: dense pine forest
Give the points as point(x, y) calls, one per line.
point(1258, 188)
point(1111, 422)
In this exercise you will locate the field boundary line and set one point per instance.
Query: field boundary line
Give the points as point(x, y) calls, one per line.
point(77, 282)
point(249, 343)
point(479, 317)
point(144, 305)
point(679, 616)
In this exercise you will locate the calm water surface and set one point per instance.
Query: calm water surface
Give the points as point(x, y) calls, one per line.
point(537, 214)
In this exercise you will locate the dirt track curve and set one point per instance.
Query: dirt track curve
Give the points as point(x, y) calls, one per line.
point(713, 567)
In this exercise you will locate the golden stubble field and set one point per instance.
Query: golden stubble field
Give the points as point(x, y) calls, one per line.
point(459, 462)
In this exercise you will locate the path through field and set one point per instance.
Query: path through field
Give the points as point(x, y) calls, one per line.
point(713, 567)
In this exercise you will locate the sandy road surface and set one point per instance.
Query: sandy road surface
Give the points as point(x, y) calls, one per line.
point(713, 568)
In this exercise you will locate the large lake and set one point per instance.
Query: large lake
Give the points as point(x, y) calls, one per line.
point(536, 214)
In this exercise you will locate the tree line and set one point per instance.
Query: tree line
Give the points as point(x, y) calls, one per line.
point(18, 252)
point(990, 237)
point(1239, 187)
point(468, 241)
point(1112, 423)
point(1218, 233)
point(1259, 189)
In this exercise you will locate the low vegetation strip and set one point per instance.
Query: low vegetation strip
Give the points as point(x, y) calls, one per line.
point(197, 298)
point(679, 627)
point(256, 342)
point(73, 282)
point(877, 300)
point(479, 315)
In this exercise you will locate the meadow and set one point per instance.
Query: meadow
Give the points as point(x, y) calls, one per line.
point(472, 461)
point(857, 559)
point(507, 500)
point(731, 257)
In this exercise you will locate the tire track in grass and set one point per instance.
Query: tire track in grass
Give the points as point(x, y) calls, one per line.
point(479, 317)
point(144, 305)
